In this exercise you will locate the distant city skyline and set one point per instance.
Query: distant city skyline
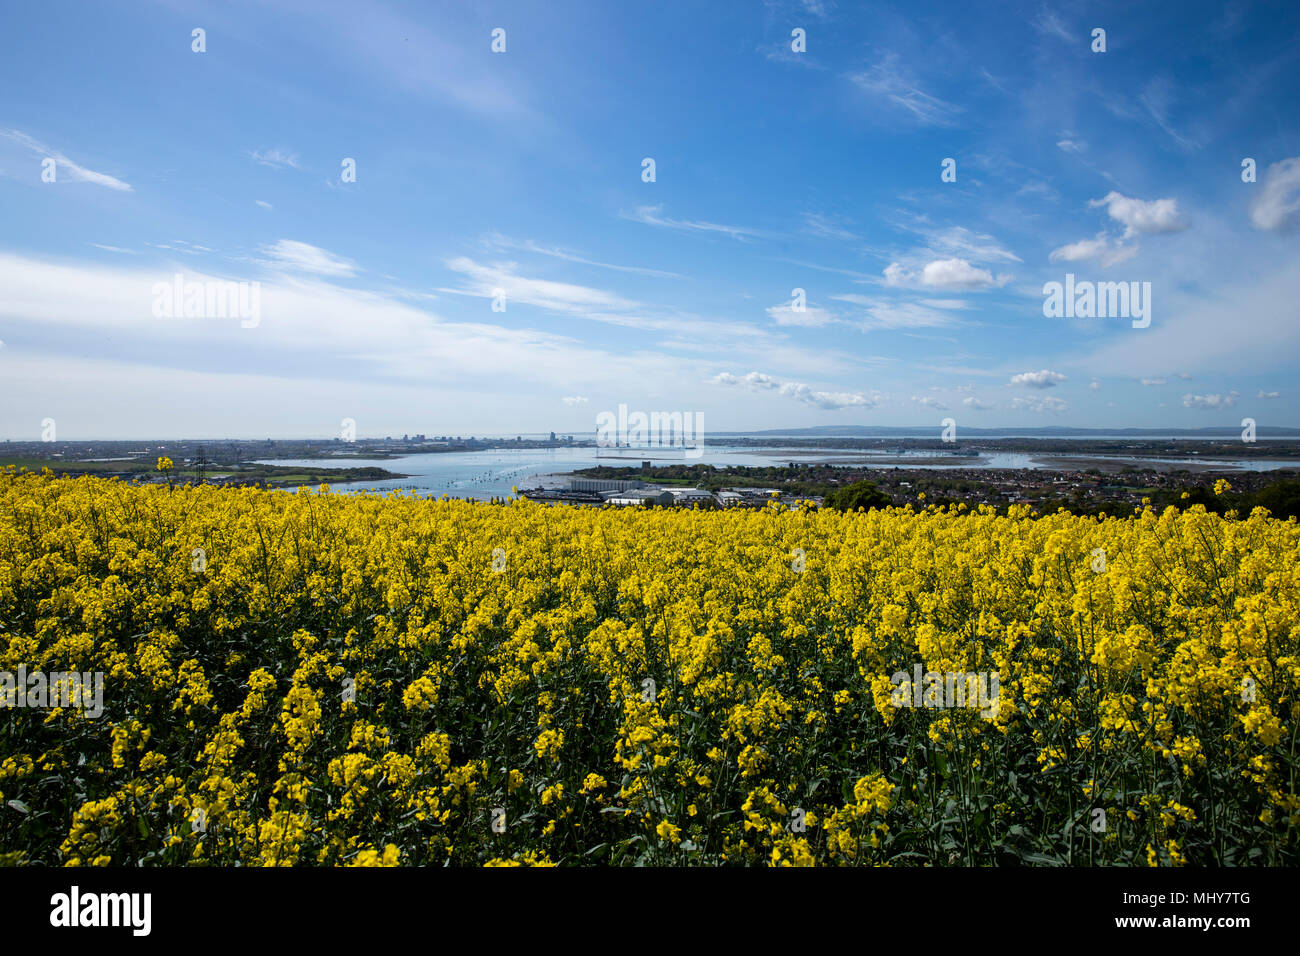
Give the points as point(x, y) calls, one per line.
point(260, 220)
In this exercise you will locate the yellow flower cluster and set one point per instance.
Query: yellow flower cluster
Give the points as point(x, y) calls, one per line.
point(354, 680)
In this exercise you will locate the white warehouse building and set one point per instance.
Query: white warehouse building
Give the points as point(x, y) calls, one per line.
point(639, 496)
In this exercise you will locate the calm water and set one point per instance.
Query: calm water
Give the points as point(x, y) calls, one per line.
point(491, 474)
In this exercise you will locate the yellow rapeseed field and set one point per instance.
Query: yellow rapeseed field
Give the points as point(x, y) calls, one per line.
point(315, 678)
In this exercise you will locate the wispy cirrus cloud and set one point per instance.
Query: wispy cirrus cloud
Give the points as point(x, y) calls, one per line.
point(486, 279)
point(1157, 99)
point(528, 245)
point(1040, 404)
point(890, 82)
point(960, 242)
point(276, 158)
point(1049, 24)
point(652, 216)
point(890, 314)
point(826, 227)
point(1276, 207)
point(65, 167)
point(304, 257)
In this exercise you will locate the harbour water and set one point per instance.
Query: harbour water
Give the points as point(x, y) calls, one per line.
point(492, 474)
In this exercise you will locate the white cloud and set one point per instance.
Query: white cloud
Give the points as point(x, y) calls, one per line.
point(1155, 381)
point(303, 257)
point(1094, 385)
point(574, 400)
point(1101, 248)
point(1211, 401)
point(956, 274)
point(263, 203)
point(973, 403)
point(1039, 404)
point(759, 382)
point(277, 158)
point(1277, 205)
point(929, 401)
point(812, 315)
point(65, 168)
point(1141, 215)
point(1041, 379)
point(125, 252)
point(1071, 145)
point(1264, 394)
point(943, 274)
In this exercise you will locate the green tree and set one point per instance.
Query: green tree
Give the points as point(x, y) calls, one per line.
point(1282, 499)
point(860, 494)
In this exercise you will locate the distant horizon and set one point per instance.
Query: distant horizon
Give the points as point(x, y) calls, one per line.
point(825, 431)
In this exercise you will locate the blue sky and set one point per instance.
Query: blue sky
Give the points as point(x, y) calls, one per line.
point(522, 171)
